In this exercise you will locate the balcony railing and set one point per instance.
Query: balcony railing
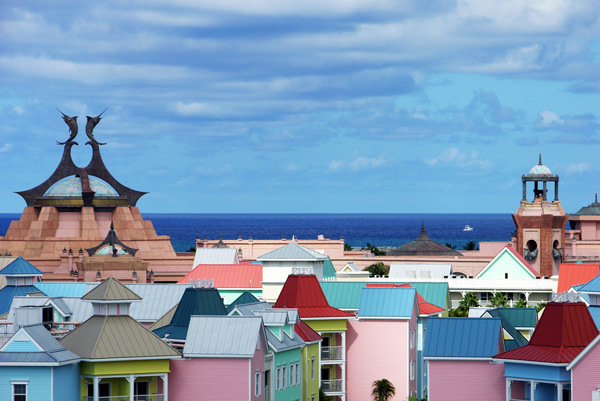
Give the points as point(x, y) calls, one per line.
point(333, 385)
point(332, 353)
point(147, 397)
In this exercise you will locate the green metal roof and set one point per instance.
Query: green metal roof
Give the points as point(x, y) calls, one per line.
point(518, 317)
point(328, 269)
point(111, 289)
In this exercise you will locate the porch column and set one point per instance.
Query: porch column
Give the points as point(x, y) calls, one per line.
point(131, 380)
point(343, 335)
point(532, 386)
point(165, 379)
point(559, 391)
point(96, 388)
point(508, 390)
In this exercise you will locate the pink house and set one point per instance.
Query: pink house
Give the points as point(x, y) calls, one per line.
point(223, 359)
point(585, 378)
point(458, 353)
point(382, 343)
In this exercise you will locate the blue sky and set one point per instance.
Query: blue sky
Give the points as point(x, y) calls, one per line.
point(275, 106)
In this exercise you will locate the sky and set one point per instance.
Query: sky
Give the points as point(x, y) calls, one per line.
point(236, 106)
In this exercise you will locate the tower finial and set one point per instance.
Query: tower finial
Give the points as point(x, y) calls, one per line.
point(540, 159)
point(596, 200)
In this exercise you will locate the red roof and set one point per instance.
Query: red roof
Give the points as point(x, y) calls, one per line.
point(242, 275)
point(425, 308)
point(306, 333)
point(571, 274)
point(303, 291)
point(522, 260)
point(564, 330)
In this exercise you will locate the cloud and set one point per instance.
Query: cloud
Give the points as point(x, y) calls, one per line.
point(547, 119)
point(582, 123)
point(579, 167)
point(5, 148)
point(336, 165)
point(291, 168)
point(357, 164)
point(454, 157)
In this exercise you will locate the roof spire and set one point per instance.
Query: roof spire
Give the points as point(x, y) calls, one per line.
point(540, 163)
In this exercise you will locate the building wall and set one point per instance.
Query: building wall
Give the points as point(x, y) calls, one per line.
point(215, 379)
point(466, 380)
point(586, 376)
point(67, 382)
point(37, 378)
point(125, 367)
point(310, 383)
point(282, 359)
point(377, 349)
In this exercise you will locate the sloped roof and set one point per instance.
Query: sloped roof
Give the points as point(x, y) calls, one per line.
point(305, 293)
point(564, 330)
point(592, 286)
point(425, 246)
point(242, 275)
point(462, 337)
point(223, 336)
point(396, 302)
point(157, 299)
point(10, 291)
point(20, 267)
point(509, 255)
point(50, 350)
point(591, 210)
point(215, 256)
point(71, 289)
point(407, 271)
point(570, 274)
point(595, 313)
point(328, 269)
point(306, 332)
point(425, 308)
point(115, 337)
point(111, 289)
point(517, 338)
point(293, 251)
point(286, 343)
point(245, 297)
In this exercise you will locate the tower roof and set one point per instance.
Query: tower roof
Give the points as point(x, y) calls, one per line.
point(424, 245)
point(539, 170)
point(20, 267)
point(591, 210)
point(111, 289)
point(293, 251)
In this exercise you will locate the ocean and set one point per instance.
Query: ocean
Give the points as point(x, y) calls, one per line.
point(381, 230)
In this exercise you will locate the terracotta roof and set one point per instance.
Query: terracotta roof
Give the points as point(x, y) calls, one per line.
point(424, 245)
point(302, 291)
point(425, 308)
point(564, 330)
point(242, 275)
point(115, 337)
point(111, 289)
point(570, 274)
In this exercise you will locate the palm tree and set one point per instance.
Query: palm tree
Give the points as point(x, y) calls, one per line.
point(521, 303)
point(378, 269)
point(498, 300)
point(470, 246)
point(383, 390)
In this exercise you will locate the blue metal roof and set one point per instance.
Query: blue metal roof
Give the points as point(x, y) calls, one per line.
point(462, 337)
point(9, 292)
point(64, 289)
point(20, 266)
point(595, 312)
point(591, 286)
point(387, 302)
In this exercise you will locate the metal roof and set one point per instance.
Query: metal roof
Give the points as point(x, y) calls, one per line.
point(592, 286)
point(508, 253)
point(306, 332)
point(9, 292)
point(407, 271)
point(223, 336)
point(517, 317)
point(111, 289)
point(215, 256)
point(242, 275)
point(157, 299)
point(245, 297)
point(115, 337)
point(293, 251)
point(50, 350)
point(591, 210)
point(249, 309)
point(595, 313)
point(462, 337)
point(563, 331)
point(425, 308)
point(517, 339)
point(20, 267)
point(71, 289)
point(387, 302)
point(328, 269)
point(286, 343)
point(570, 274)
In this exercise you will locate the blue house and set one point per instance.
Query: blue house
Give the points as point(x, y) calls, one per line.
point(34, 366)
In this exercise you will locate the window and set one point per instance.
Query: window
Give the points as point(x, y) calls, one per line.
point(412, 339)
point(412, 370)
point(278, 378)
point(257, 384)
point(19, 391)
point(297, 373)
point(312, 397)
point(312, 368)
point(283, 378)
point(291, 381)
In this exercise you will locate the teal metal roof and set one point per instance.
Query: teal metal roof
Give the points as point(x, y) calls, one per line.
point(245, 297)
point(387, 302)
point(518, 317)
point(518, 339)
point(346, 294)
point(20, 267)
point(462, 337)
point(591, 286)
point(328, 269)
point(72, 289)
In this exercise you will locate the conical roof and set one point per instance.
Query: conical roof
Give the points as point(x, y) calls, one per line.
point(111, 289)
point(20, 267)
point(590, 210)
point(425, 246)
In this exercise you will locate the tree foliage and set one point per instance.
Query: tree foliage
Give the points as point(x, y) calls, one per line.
point(378, 269)
point(374, 250)
point(383, 390)
point(540, 306)
point(498, 300)
point(521, 303)
point(469, 300)
point(449, 245)
point(347, 246)
point(470, 246)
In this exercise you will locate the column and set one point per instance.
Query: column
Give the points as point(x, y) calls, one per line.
point(559, 391)
point(96, 388)
point(545, 190)
point(524, 190)
point(532, 386)
point(165, 379)
point(131, 380)
point(556, 189)
point(343, 336)
point(508, 390)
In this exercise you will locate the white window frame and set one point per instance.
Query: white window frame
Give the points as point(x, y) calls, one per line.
point(412, 339)
point(257, 384)
point(283, 378)
point(278, 378)
point(297, 373)
point(18, 383)
point(412, 370)
point(312, 368)
point(292, 375)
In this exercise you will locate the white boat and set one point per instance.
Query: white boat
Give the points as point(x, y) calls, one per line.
point(468, 228)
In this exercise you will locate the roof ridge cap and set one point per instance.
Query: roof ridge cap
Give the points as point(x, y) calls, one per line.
point(102, 326)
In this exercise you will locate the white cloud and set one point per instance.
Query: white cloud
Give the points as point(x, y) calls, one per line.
point(291, 167)
point(5, 148)
point(362, 163)
point(19, 109)
point(454, 157)
point(336, 165)
point(548, 119)
point(579, 167)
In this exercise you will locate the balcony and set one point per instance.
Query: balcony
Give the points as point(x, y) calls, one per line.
point(332, 385)
point(332, 353)
point(147, 397)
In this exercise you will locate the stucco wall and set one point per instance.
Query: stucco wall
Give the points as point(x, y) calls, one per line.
point(466, 380)
point(586, 376)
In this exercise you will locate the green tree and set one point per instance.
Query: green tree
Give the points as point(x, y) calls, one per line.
point(383, 390)
point(469, 300)
point(378, 269)
point(449, 245)
point(347, 247)
point(498, 300)
point(374, 250)
point(521, 303)
point(540, 306)
point(470, 246)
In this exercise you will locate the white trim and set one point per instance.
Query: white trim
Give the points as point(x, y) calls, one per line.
point(18, 382)
point(557, 365)
point(584, 352)
point(455, 358)
point(217, 356)
point(52, 383)
point(383, 318)
point(145, 358)
point(39, 363)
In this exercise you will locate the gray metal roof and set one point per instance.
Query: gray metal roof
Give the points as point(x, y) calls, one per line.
point(215, 256)
point(157, 299)
point(43, 338)
point(278, 317)
point(410, 271)
point(249, 309)
point(111, 289)
point(79, 310)
point(225, 336)
point(293, 251)
point(285, 343)
point(51, 351)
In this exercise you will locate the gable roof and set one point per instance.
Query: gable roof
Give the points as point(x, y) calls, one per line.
point(509, 256)
point(245, 297)
point(20, 267)
point(10, 291)
point(115, 337)
point(563, 331)
point(570, 274)
point(293, 251)
point(304, 293)
point(517, 339)
point(242, 275)
point(463, 337)
point(592, 286)
point(49, 350)
point(215, 256)
point(111, 289)
point(328, 269)
point(224, 336)
point(425, 308)
point(156, 300)
point(306, 333)
point(398, 302)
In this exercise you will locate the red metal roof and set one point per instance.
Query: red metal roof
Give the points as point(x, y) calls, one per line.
point(564, 330)
point(303, 291)
point(425, 308)
point(305, 332)
point(571, 274)
point(242, 275)
point(523, 261)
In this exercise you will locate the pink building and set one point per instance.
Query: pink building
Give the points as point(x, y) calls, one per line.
point(585, 378)
point(382, 343)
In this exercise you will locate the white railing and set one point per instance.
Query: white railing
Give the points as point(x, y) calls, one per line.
point(147, 397)
point(203, 283)
point(302, 270)
point(333, 385)
point(332, 353)
point(565, 297)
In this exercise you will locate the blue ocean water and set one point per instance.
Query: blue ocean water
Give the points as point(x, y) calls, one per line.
point(357, 229)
